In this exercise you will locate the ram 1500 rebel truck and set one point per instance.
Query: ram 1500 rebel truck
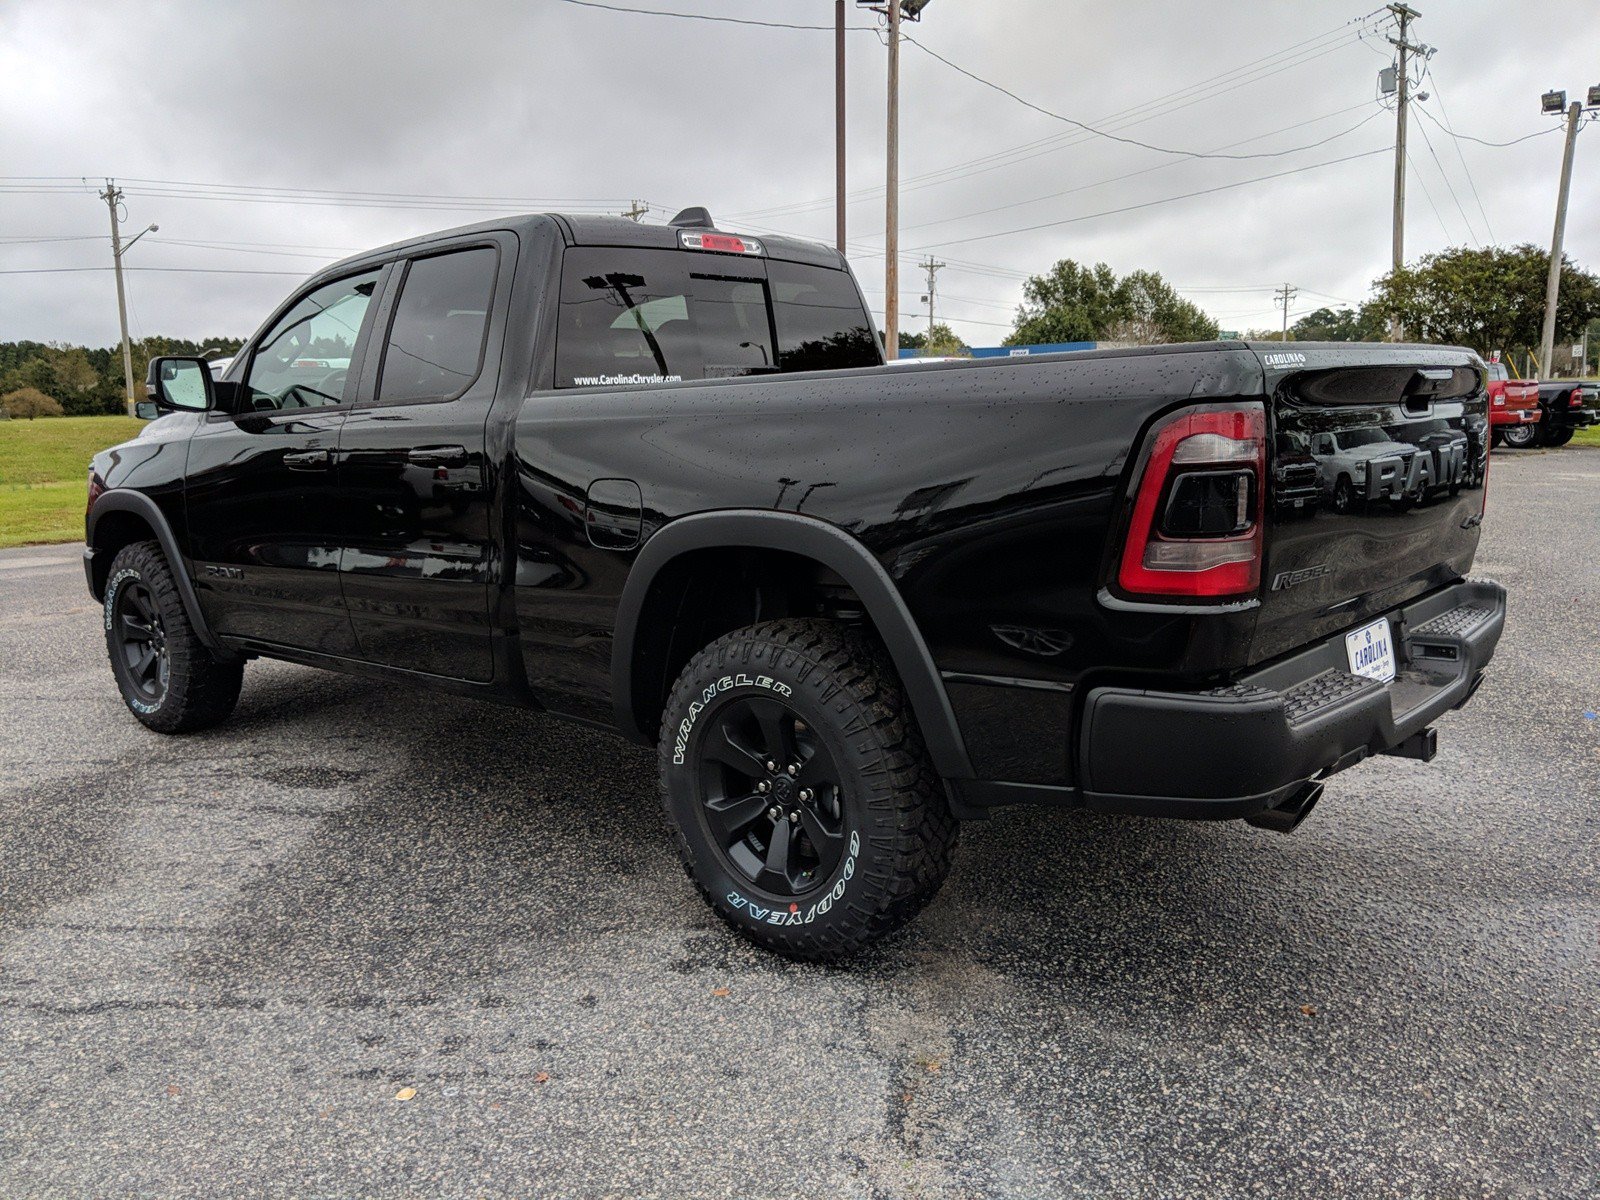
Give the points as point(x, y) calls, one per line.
point(658, 479)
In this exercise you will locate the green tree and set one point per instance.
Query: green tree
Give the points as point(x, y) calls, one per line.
point(30, 403)
point(1362, 324)
point(1075, 303)
point(942, 341)
point(1488, 299)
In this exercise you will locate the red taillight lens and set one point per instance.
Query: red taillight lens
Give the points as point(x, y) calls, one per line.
point(1576, 400)
point(1204, 475)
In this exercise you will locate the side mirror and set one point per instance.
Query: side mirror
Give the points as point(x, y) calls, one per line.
point(146, 410)
point(180, 385)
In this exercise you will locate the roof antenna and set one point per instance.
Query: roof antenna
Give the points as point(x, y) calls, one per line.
point(693, 218)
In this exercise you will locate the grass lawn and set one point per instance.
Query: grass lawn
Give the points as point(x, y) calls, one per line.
point(1587, 437)
point(44, 471)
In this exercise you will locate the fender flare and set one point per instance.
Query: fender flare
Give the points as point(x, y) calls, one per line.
point(140, 505)
point(829, 546)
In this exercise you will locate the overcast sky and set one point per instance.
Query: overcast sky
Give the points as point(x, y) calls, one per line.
point(546, 104)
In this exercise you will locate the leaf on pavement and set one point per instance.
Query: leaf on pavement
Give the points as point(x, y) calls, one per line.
point(405, 1094)
point(720, 991)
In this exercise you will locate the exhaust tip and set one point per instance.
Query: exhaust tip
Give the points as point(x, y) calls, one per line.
point(1286, 817)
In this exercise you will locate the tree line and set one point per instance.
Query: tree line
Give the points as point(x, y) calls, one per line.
point(56, 379)
point(1489, 299)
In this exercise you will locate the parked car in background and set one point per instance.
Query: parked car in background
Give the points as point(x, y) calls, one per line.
point(1296, 480)
point(1344, 455)
point(1513, 408)
point(1566, 406)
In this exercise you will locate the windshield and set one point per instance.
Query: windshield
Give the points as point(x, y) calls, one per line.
point(1351, 438)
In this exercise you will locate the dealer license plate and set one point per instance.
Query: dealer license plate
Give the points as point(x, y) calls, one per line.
point(1371, 651)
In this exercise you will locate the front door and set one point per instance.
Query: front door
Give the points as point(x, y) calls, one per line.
point(419, 563)
point(262, 498)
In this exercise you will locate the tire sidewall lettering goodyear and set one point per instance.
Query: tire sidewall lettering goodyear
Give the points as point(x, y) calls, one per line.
point(680, 746)
point(793, 914)
point(112, 588)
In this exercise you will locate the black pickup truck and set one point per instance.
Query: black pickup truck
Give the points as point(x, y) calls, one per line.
point(658, 479)
point(1565, 406)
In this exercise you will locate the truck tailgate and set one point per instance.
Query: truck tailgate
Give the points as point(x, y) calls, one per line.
point(1397, 438)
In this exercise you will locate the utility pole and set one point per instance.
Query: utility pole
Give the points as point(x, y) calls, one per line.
point(1552, 287)
point(932, 268)
point(891, 263)
point(637, 211)
point(838, 122)
point(1283, 296)
point(113, 198)
point(1405, 15)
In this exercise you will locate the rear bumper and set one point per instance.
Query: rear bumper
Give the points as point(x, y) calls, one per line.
point(1514, 416)
point(1235, 751)
point(1571, 418)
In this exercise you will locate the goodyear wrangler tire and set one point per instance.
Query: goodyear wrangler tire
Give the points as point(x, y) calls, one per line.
point(167, 677)
point(805, 807)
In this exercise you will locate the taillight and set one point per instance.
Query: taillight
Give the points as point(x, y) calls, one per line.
point(96, 487)
point(1196, 525)
point(1576, 400)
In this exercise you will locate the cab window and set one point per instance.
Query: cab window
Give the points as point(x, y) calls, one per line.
point(434, 350)
point(633, 316)
point(304, 360)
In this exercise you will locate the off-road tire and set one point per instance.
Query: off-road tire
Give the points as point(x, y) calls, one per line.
point(199, 690)
point(841, 686)
point(1520, 437)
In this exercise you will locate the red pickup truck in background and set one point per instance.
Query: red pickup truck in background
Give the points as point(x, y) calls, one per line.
point(1513, 408)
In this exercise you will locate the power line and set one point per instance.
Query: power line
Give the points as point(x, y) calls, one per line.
point(1115, 137)
point(1153, 203)
point(1157, 167)
point(1460, 154)
point(1295, 55)
point(1513, 142)
point(1434, 154)
point(178, 270)
point(656, 12)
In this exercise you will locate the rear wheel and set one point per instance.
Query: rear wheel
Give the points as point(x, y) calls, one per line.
point(805, 807)
point(1556, 437)
point(167, 676)
point(1497, 438)
point(1520, 437)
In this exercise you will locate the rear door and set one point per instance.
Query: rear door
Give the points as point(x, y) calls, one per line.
point(1399, 438)
point(417, 488)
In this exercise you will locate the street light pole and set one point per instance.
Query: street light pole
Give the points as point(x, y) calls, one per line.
point(113, 197)
point(1552, 287)
point(838, 121)
point(891, 266)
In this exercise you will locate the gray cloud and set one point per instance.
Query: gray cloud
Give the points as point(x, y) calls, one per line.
point(550, 102)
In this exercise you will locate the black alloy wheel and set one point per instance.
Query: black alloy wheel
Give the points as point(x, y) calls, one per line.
point(803, 802)
point(771, 798)
point(144, 662)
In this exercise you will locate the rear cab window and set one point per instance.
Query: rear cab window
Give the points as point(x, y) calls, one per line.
point(633, 317)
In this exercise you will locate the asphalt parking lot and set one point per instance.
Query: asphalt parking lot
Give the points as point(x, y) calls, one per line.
point(223, 956)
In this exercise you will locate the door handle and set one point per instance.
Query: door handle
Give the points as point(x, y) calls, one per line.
point(437, 456)
point(308, 460)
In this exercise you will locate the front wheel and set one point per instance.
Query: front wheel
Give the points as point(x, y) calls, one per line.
point(1520, 437)
point(804, 804)
point(167, 676)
